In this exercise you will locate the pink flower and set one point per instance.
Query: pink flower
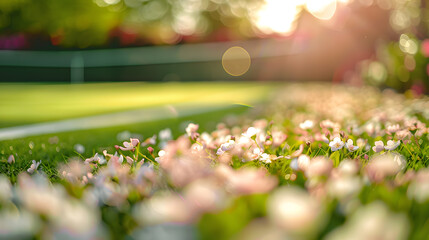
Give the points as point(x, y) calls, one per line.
point(318, 166)
point(403, 135)
point(129, 160)
point(350, 146)
point(321, 137)
point(247, 180)
point(226, 147)
point(393, 128)
point(278, 138)
point(329, 124)
point(303, 162)
point(298, 152)
point(11, 159)
point(387, 164)
point(130, 145)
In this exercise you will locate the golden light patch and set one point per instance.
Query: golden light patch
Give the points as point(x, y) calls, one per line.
point(236, 61)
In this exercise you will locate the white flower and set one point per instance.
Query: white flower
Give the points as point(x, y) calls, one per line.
point(34, 166)
point(251, 131)
point(225, 147)
point(252, 154)
point(307, 124)
point(191, 129)
point(350, 146)
point(101, 160)
point(165, 135)
point(161, 154)
point(97, 158)
point(265, 157)
point(130, 145)
point(79, 148)
point(228, 145)
point(257, 152)
point(392, 145)
point(379, 146)
point(337, 144)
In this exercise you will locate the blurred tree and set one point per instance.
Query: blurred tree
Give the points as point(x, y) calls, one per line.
point(69, 23)
point(83, 23)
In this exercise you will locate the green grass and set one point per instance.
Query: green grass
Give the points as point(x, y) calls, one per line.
point(52, 153)
point(242, 210)
point(32, 103)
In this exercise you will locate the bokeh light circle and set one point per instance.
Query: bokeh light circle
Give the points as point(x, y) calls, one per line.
point(236, 61)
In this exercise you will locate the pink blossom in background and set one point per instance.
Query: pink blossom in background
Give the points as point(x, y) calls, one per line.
point(418, 88)
point(425, 47)
point(13, 42)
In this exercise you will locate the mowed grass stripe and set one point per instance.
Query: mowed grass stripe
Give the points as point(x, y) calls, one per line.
point(33, 103)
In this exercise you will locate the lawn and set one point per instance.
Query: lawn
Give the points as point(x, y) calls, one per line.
point(32, 103)
point(313, 161)
point(56, 148)
point(36, 103)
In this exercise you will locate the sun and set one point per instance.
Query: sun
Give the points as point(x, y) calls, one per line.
point(280, 16)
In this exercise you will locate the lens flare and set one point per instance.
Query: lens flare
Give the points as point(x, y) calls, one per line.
point(236, 61)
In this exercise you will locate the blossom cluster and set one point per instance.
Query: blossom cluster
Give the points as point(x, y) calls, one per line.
point(361, 151)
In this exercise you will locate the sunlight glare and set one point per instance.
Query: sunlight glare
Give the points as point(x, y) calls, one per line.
point(322, 9)
point(278, 16)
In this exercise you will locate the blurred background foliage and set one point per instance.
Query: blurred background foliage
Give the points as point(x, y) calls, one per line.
point(83, 23)
point(402, 63)
point(390, 37)
point(69, 23)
